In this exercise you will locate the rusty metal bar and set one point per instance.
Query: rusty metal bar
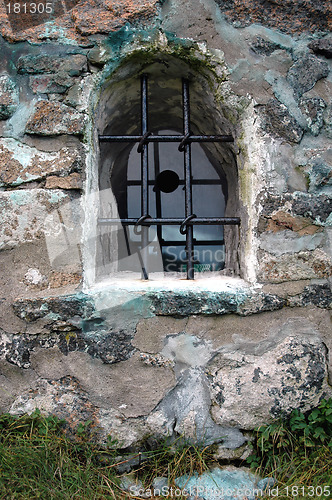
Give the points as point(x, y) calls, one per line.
point(166, 138)
point(151, 221)
point(143, 149)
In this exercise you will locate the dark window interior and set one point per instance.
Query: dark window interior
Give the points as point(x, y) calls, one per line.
point(166, 199)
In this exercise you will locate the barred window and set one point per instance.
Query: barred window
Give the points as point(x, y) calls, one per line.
point(170, 197)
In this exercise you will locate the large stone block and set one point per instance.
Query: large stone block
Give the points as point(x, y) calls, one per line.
point(9, 97)
point(280, 123)
point(20, 163)
point(305, 72)
point(292, 267)
point(23, 214)
point(322, 46)
point(291, 16)
point(54, 118)
point(253, 383)
point(73, 65)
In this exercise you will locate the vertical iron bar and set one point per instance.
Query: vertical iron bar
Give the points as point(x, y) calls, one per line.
point(187, 179)
point(157, 191)
point(144, 174)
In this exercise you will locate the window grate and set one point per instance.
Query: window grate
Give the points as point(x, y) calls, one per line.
point(185, 140)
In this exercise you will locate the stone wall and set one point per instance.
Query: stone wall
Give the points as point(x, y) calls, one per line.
point(210, 359)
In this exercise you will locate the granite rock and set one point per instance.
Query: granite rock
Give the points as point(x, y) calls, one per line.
point(72, 65)
point(305, 72)
point(9, 97)
point(254, 383)
point(322, 47)
point(54, 118)
point(313, 109)
point(278, 122)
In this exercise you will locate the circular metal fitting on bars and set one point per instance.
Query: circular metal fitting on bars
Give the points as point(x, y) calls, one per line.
point(143, 141)
point(184, 223)
point(140, 223)
point(184, 141)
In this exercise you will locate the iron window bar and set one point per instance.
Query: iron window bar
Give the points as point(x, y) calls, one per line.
point(185, 140)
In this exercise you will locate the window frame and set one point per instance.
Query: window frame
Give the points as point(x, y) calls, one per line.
point(185, 140)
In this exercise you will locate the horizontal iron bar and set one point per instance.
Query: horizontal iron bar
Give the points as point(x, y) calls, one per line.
point(179, 243)
point(200, 182)
point(166, 138)
point(175, 222)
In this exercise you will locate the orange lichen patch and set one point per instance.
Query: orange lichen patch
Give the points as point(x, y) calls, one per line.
point(292, 16)
point(53, 118)
point(86, 18)
point(13, 173)
point(58, 279)
point(282, 220)
point(72, 181)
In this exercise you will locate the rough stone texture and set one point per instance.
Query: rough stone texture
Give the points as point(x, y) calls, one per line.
point(300, 266)
point(72, 181)
point(24, 212)
point(111, 16)
point(322, 47)
point(72, 65)
point(20, 163)
point(9, 97)
point(253, 383)
point(313, 109)
point(289, 242)
point(56, 83)
point(320, 176)
point(263, 46)
point(278, 122)
point(305, 73)
point(282, 220)
point(291, 15)
point(319, 295)
point(316, 208)
point(53, 118)
point(243, 302)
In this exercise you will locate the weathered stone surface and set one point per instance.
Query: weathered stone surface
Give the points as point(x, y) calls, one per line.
point(23, 214)
point(239, 301)
point(305, 72)
point(316, 208)
point(319, 295)
point(278, 122)
point(111, 16)
point(292, 16)
point(63, 308)
point(288, 242)
point(59, 279)
point(300, 266)
point(9, 97)
point(322, 47)
point(281, 220)
point(313, 109)
point(320, 176)
point(20, 163)
point(72, 181)
point(253, 383)
point(64, 398)
point(265, 47)
point(184, 411)
point(73, 65)
point(56, 83)
point(53, 118)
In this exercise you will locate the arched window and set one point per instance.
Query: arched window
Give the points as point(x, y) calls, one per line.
point(170, 196)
